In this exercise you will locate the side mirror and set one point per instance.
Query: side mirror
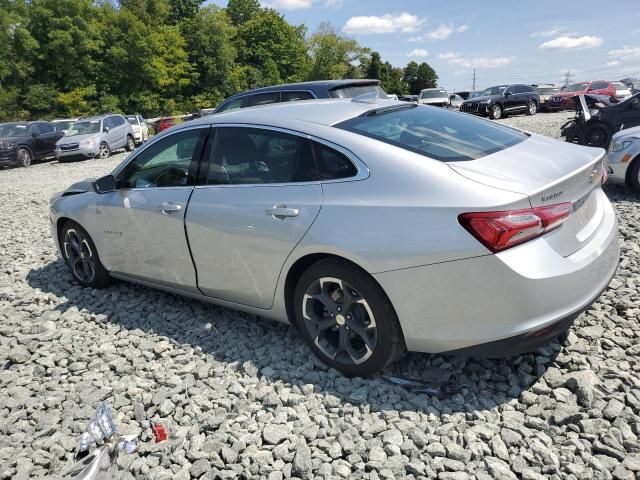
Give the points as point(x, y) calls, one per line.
point(105, 184)
point(106, 129)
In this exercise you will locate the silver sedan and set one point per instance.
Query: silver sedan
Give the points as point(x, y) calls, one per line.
point(623, 159)
point(373, 226)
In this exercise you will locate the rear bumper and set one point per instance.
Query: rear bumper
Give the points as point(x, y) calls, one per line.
point(504, 297)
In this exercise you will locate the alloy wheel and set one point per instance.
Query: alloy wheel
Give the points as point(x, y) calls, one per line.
point(532, 108)
point(340, 321)
point(497, 111)
point(104, 151)
point(79, 255)
point(24, 157)
point(130, 144)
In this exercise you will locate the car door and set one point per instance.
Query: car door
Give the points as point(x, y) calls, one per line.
point(49, 137)
point(510, 98)
point(258, 194)
point(121, 130)
point(631, 113)
point(33, 139)
point(141, 223)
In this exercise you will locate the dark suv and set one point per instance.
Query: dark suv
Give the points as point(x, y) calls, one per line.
point(496, 102)
point(21, 143)
point(302, 91)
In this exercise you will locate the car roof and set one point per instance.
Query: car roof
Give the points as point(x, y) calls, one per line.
point(324, 112)
point(312, 85)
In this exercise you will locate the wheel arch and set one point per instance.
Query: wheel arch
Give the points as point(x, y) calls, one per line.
point(635, 160)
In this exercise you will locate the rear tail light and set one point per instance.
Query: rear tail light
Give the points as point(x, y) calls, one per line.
point(501, 230)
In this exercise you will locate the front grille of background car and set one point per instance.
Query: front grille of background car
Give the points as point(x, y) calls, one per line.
point(70, 146)
point(469, 107)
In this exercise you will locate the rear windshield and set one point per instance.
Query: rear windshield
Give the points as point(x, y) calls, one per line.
point(547, 90)
point(435, 133)
point(132, 119)
point(433, 94)
point(352, 91)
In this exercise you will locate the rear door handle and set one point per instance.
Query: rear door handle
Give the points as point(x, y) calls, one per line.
point(281, 212)
point(168, 208)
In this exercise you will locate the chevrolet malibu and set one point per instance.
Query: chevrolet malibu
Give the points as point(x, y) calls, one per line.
point(373, 226)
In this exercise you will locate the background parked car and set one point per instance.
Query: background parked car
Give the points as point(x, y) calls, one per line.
point(302, 91)
point(466, 95)
point(22, 143)
point(95, 137)
point(545, 91)
point(63, 124)
point(455, 101)
point(563, 100)
point(496, 102)
point(622, 91)
point(623, 158)
point(408, 98)
point(140, 128)
point(437, 97)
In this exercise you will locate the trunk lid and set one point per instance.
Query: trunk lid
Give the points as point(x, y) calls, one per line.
point(548, 172)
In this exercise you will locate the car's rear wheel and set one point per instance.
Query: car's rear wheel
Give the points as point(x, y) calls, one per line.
point(131, 144)
point(633, 178)
point(25, 158)
point(104, 151)
point(81, 256)
point(532, 108)
point(346, 318)
point(496, 112)
point(597, 134)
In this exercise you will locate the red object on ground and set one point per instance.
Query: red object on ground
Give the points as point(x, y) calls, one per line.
point(159, 431)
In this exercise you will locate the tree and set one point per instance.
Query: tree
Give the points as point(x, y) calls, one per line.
point(419, 77)
point(183, 9)
point(240, 11)
point(374, 67)
point(331, 55)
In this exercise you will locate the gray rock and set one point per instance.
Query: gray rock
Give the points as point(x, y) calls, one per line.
point(274, 434)
point(19, 354)
point(301, 465)
point(613, 409)
point(199, 468)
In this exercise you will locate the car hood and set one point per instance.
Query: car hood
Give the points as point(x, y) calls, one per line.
point(76, 138)
point(486, 97)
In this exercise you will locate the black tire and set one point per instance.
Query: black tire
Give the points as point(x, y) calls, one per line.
point(104, 152)
point(83, 259)
point(596, 134)
point(25, 157)
point(366, 304)
point(131, 143)
point(633, 176)
point(532, 108)
point(496, 112)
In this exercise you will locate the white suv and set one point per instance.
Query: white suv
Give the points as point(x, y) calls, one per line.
point(140, 128)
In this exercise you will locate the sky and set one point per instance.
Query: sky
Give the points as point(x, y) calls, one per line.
point(505, 41)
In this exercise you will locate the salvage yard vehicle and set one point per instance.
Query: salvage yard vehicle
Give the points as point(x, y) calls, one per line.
point(598, 117)
point(622, 91)
point(455, 101)
point(22, 143)
point(140, 128)
point(564, 99)
point(371, 225)
point(295, 92)
point(496, 102)
point(546, 91)
point(623, 158)
point(437, 97)
point(95, 137)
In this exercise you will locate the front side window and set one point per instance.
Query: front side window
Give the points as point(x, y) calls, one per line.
point(35, 129)
point(119, 121)
point(165, 163)
point(434, 133)
point(295, 96)
point(599, 86)
point(260, 156)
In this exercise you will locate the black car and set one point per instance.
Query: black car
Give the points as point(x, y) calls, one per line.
point(598, 117)
point(408, 98)
point(22, 143)
point(501, 100)
point(302, 91)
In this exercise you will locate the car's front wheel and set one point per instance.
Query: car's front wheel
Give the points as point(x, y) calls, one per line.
point(104, 151)
point(346, 318)
point(81, 256)
point(25, 158)
point(532, 108)
point(633, 178)
point(131, 144)
point(496, 112)
point(597, 134)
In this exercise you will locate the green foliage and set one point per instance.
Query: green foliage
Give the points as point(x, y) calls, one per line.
point(63, 58)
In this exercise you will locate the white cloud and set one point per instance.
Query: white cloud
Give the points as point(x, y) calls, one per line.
point(445, 30)
point(333, 3)
point(548, 33)
point(288, 4)
point(389, 23)
point(475, 62)
point(625, 52)
point(566, 42)
point(418, 53)
point(612, 64)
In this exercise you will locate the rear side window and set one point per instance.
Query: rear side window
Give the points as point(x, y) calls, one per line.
point(47, 128)
point(332, 164)
point(599, 86)
point(352, 91)
point(523, 89)
point(434, 133)
point(262, 99)
point(295, 96)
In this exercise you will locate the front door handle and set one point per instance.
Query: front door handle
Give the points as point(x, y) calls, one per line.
point(281, 212)
point(168, 208)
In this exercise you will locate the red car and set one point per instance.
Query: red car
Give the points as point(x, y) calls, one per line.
point(562, 100)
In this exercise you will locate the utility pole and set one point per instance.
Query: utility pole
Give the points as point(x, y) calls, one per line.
point(474, 80)
point(567, 77)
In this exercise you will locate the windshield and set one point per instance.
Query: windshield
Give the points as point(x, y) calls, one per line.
point(84, 127)
point(493, 91)
point(433, 94)
point(352, 91)
point(620, 86)
point(132, 119)
point(435, 133)
point(548, 90)
point(577, 87)
point(8, 131)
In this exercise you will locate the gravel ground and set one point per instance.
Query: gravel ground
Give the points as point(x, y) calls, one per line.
point(247, 399)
